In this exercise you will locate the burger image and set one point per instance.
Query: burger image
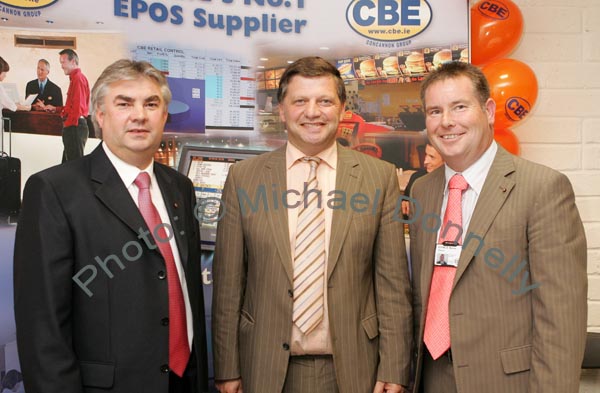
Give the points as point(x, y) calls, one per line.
point(368, 69)
point(390, 65)
point(345, 70)
point(441, 57)
point(464, 55)
point(415, 63)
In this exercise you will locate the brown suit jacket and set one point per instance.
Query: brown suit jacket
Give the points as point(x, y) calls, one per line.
point(515, 326)
point(368, 287)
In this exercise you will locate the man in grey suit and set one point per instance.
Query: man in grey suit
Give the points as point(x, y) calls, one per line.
point(515, 307)
point(105, 298)
point(270, 334)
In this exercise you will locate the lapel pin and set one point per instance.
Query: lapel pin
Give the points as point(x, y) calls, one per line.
point(175, 205)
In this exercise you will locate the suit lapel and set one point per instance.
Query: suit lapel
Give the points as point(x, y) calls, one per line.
point(495, 190)
point(275, 173)
point(111, 191)
point(348, 179)
point(432, 205)
point(174, 204)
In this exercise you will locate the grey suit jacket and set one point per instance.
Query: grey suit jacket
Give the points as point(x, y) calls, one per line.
point(80, 214)
point(518, 304)
point(368, 290)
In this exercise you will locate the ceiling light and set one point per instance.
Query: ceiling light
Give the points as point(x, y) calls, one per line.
point(264, 59)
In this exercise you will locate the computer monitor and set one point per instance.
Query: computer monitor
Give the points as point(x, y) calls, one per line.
point(207, 168)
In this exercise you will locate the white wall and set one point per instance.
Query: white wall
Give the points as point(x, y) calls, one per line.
point(561, 44)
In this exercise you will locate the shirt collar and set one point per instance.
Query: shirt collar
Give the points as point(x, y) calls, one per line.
point(327, 156)
point(74, 73)
point(127, 172)
point(475, 174)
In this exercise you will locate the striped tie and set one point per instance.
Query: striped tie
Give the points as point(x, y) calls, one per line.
point(309, 256)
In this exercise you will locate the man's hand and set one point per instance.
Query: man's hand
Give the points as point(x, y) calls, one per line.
point(386, 387)
point(229, 386)
point(50, 108)
point(39, 105)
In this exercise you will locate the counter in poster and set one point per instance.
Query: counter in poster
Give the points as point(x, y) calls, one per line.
point(35, 122)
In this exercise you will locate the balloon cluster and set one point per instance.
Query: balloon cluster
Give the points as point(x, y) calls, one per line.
point(496, 28)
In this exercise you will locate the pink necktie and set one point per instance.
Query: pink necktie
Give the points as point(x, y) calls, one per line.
point(179, 349)
point(437, 323)
point(309, 257)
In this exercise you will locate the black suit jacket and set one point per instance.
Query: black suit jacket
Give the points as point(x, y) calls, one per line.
point(52, 93)
point(79, 215)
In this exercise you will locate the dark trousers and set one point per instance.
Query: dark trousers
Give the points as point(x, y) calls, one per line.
point(188, 383)
point(310, 374)
point(74, 138)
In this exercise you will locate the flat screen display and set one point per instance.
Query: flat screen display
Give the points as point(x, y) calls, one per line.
point(207, 168)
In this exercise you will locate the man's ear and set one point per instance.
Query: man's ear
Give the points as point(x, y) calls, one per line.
point(490, 107)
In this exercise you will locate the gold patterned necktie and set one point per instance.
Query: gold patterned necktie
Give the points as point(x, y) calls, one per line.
point(309, 255)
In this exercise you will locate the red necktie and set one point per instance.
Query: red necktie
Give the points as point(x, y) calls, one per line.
point(437, 323)
point(179, 349)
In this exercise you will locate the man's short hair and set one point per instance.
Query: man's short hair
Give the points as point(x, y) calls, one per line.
point(4, 67)
point(126, 70)
point(456, 69)
point(45, 62)
point(311, 67)
point(71, 54)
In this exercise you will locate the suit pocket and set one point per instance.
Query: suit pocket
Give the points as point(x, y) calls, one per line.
point(246, 320)
point(97, 375)
point(516, 359)
point(371, 326)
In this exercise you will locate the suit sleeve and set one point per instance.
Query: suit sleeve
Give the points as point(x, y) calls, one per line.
point(393, 293)
point(43, 267)
point(557, 258)
point(229, 277)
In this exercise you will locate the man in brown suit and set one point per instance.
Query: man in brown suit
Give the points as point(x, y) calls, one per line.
point(359, 338)
point(516, 310)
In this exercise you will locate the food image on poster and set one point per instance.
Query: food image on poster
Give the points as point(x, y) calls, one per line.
point(415, 63)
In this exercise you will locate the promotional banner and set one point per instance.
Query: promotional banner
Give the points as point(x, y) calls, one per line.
point(223, 60)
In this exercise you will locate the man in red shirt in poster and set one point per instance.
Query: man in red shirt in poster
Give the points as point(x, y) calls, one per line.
point(76, 109)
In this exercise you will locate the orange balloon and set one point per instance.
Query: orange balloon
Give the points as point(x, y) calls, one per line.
point(496, 28)
point(508, 140)
point(514, 87)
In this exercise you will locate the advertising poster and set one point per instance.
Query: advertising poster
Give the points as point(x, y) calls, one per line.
point(223, 59)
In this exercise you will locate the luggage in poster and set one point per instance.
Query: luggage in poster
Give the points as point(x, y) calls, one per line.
point(10, 179)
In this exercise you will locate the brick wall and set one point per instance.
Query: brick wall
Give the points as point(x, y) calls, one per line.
point(561, 43)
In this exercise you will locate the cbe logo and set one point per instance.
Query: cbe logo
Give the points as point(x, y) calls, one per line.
point(388, 20)
point(494, 9)
point(516, 108)
point(29, 4)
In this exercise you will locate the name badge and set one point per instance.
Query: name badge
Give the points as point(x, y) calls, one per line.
point(447, 254)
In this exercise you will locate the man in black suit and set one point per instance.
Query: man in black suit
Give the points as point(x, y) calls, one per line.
point(108, 293)
point(48, 92)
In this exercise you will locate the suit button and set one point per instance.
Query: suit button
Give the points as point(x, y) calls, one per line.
point(164, 321)
point(164, 369)
point(286, 346)
point(161, 275)
point(290, 293)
